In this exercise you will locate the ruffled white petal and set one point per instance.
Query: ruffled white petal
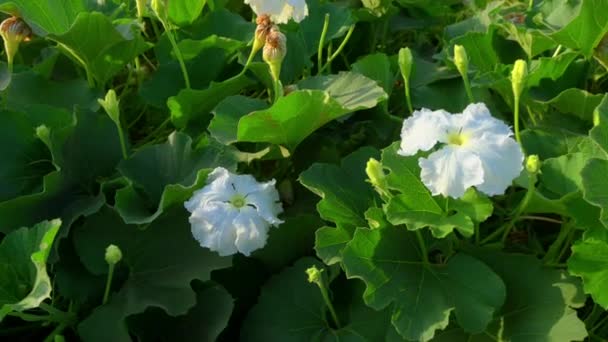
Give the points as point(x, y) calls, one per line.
point(450, 171)
point(221, 225)
point(477, 121)
point(423, 130)
point(280, 11)
point(502, 161)
point(251, 231)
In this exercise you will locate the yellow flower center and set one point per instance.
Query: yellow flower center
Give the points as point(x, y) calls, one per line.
point(238, 201)
point(457, 139)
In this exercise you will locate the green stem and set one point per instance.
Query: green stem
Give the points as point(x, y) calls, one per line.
point(178, 53)
point(530, 4)
point(552, 254)
point(340, 48)
point(106, 293)
point(557, 51)
point(423, 250)
point(32, 318)
point(322, 43)
point(567, 245)
point(249, 60)
point(467, 87)
point(408, 96)
point(599, 324)
point(516, 119)
point(520, 209)
point(329, 304)
point(58, 330)
point(123, 142)
point(277, 91)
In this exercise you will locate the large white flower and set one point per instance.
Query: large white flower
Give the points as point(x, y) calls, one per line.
point(280, 11)
point(233, 213)
point(477, 150)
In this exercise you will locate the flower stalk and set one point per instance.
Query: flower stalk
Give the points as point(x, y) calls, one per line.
point(321, 43)
point(518, 84)
point(320, 278)
point(405, 66)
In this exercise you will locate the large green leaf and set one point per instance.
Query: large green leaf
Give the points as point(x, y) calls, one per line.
point(203, 323)
point(167, 174)
point(345, 198)
point(589, 261)
point(156, 277)
point(227, 113)
point(292, 309)
point(416, 207)
point(422, 295)
point(184, 12)
point(191, 104)
point(45, 16)
point(585, 30)
point(103, 50)
point(595, 184)
point(537, 309)
point(24, 282)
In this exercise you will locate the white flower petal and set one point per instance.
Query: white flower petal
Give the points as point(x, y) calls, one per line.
point(217, 190)
point(251, 231)
point(212, 226)
point(423, 130)
point(502, 161)
point(300, 10)
point(266, 202)
point(477, 121)
point(450, 171)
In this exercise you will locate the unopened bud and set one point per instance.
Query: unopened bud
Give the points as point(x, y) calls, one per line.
point(261, 31)
point(461, 60)
point(533, 164)
point(518, 77)
point(275, 50)
point(376, 176)
point(113, 255)
point(14, 31)
point(141, 8)
point(315, 275)
point(596, 118)
point(405, 63)
point(111, 105)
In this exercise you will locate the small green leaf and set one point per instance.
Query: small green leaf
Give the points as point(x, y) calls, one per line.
point(24, 282)
point(184, 12)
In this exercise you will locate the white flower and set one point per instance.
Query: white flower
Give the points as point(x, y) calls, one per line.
point(233, 213)
point(280, 11)
point(477, 150)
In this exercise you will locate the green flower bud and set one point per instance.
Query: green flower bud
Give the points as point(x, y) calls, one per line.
point(461, 60)
point(315, 275)
point(405, 63)
point(160, 8)
point(141, 8)
point(14, 31)
point(113, 255)
point(111, 105)
point(533, 164)
point(376, 176)
point(44, 133)
point(596, 118)
point(518, 77)
point(275, 50)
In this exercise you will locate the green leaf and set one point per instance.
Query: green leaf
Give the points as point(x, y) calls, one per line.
point(191, 104)
point(164, 175)
point(416, 207)
point(576, 102)
point(480, 50)
point(595, 185)
point(227, 113)
point(202, 323)
point(103, 50)
point(191, 48)
point(378, 68)
point(156, 278)
point(537, 309)
point(292, 309)
point(351, 90)
point(388, 260)
point(44, 17)
point(548, 68)
point(24, 282)
point(184, 12)
point(589, 261)
point(585, 30)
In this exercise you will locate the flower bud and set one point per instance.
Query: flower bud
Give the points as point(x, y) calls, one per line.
point(261, 31)
point(518, 77)
point(596, 118)
point(111, 105)
point(160, 9)
point(376, 176)
point(533, 163)
point(141, 8)
point(14, 31)
point(113, 255)
point(314, 275)
point(405, 63)
point(461, 60)
point(275, 50)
